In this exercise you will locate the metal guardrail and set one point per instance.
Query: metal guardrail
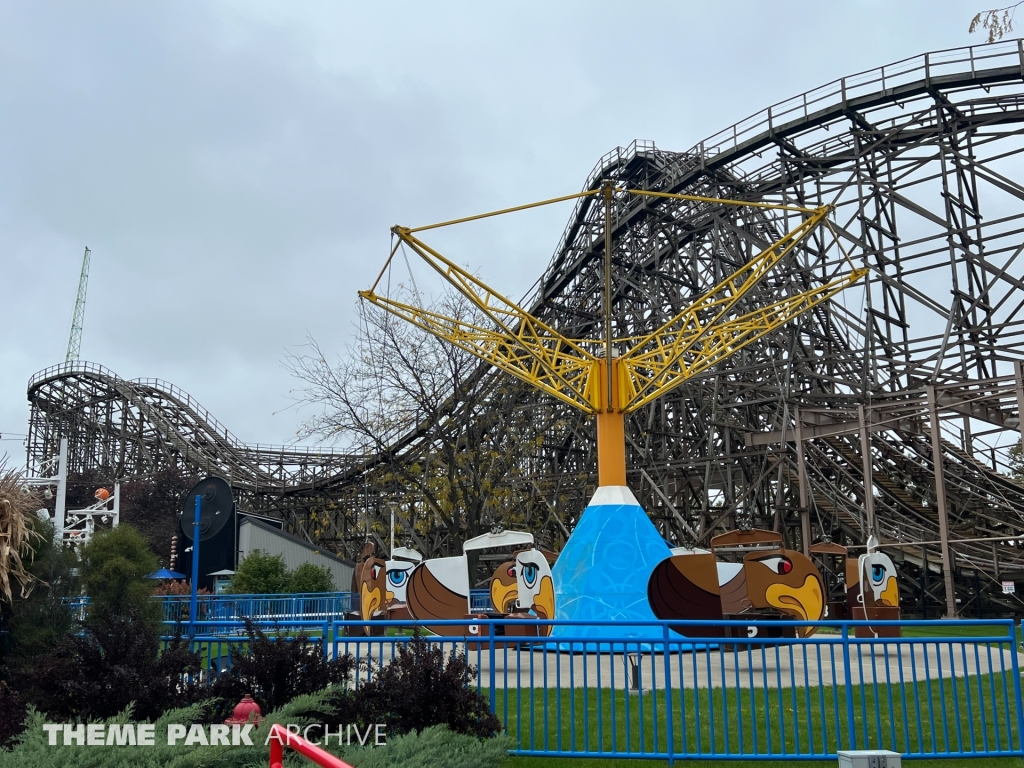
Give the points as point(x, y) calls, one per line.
point(480, 601)
point(322, 606)
point(750, 697)
point(184, 399)
point(930, 69)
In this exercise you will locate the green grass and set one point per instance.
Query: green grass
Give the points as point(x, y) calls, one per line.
point(787, 711)
point(562, 762)
point(582, 720)
point(946, 630)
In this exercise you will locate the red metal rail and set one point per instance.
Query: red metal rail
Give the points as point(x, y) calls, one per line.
point(281, 737)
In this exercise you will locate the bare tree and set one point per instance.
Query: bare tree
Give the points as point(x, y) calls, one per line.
point(397, 381)
point(998, 22)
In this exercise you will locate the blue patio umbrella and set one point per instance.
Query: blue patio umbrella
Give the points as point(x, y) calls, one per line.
point(163, 573)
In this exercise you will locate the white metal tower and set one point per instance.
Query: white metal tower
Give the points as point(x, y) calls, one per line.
point(75, 340)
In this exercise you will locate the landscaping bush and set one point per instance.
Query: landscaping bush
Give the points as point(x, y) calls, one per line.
point(12, 715)
point(33, 751)
point(276, 670)
point(263, 574)
point(113, 659)
point(177, 587)
point(311, 578)
point(420, 688)
point(433, 747)
point(260, 574)
point(113, 663)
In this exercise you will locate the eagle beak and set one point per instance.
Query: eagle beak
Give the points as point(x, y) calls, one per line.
point(891, 594)
point(502, 595)
point(368, 602)
point(544, 602)
point(389, 596)
point(806, 601)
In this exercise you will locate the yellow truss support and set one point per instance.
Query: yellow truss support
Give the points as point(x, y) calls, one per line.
point(518, 343)
point(664, 361)
point(701, 336)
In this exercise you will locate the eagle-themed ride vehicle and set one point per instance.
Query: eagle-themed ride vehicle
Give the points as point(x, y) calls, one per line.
point(750, 575)
point(380, 585)
point(845, 581)
point(872, 591)
point(438, 588)
point(746, 575)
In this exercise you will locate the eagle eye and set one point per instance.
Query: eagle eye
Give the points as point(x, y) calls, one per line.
point(779, 565)
point(530, 574)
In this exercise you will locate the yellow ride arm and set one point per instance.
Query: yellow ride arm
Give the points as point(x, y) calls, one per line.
point(510, 338)
point(662, 362)
point(518, 342)
point(692, 323)
point(546, 362)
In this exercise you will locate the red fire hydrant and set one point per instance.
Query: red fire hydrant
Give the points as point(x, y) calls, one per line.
point(246, 711)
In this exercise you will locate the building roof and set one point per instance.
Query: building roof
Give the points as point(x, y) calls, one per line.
point(296, 540)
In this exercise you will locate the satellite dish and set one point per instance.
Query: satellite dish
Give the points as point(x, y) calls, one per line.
point(215, 508)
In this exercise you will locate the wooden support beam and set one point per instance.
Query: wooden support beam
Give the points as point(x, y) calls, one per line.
point(940, 502)
point(805, 507)
point(1018, 373)
point(869, 484)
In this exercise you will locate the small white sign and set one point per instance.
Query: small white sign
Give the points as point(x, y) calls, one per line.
point(1009, 587)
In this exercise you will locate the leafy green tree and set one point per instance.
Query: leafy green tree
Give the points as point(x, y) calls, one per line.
point(115, 659)
point(114, 569)
point(311, 578)
point(1017, 462)
point(260, 574)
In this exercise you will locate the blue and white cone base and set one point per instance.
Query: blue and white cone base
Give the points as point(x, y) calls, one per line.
point(602, 573)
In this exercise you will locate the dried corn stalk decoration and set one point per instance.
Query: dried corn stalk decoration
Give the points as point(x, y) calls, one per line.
point(17, 501)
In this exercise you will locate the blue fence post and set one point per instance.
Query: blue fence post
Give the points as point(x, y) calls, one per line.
point(851, 731)
point(669, 732)
point(543, 699)
point(493, 678)
point(1016, 688)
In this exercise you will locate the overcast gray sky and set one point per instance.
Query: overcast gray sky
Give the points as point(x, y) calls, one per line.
point(235, 166)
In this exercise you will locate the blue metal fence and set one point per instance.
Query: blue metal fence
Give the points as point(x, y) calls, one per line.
point(480, 601)
point(214, 639)
point(329, 606)
point(747, 697)
point(326, 606)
